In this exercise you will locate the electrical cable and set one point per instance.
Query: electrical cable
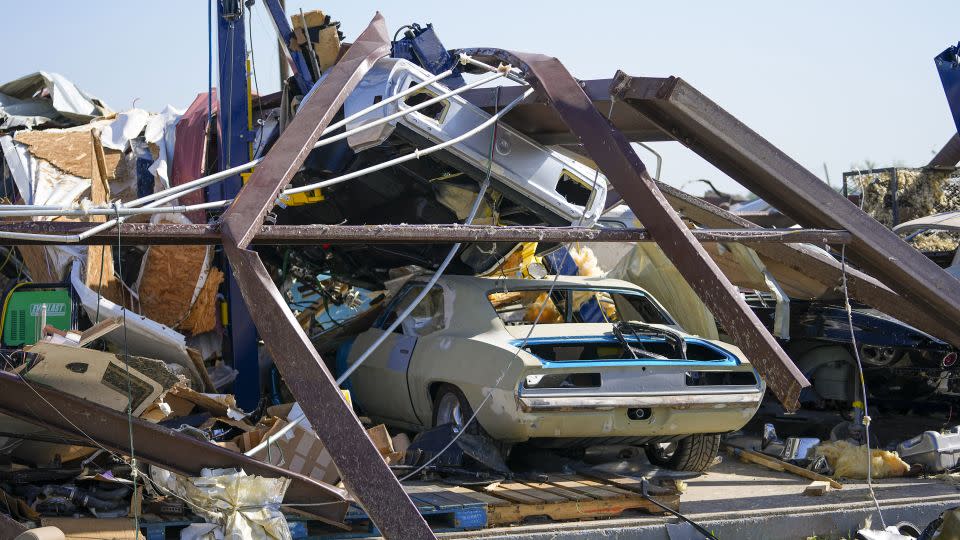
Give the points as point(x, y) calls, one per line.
point(134, 472)
point(11, 367)
point(863, 383)
point(443, 266)
point(256, 83)
point(697, 526)
point(401, 29)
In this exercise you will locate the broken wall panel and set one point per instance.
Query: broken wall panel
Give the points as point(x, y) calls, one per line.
point(172, 277)
point(707, 129)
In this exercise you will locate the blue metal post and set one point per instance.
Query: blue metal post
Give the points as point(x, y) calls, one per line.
point(235, 139)
point(285, 34)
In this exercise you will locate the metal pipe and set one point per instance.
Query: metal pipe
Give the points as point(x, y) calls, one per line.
point(203, 182)
point(105, 211)
point(407, 111)
point(512, 73)
point(226, 173)
point(416, 154)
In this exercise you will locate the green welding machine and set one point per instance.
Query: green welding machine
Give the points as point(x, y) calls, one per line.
point(23, 308)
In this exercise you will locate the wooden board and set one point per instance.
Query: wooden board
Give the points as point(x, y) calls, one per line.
point(99, 275)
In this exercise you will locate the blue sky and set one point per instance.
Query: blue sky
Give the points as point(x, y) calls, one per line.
point(829, 82)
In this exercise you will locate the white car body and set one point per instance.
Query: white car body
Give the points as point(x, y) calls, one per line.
point(456, 337)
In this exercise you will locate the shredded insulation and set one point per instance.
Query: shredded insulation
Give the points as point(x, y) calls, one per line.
point(850, 461)
point(920, 192)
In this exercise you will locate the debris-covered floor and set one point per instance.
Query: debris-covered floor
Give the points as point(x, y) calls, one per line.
point(424, 292)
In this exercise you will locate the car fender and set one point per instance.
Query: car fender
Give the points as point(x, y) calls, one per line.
point(474, 366)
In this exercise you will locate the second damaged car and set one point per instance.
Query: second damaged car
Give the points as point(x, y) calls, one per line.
point(604, 364)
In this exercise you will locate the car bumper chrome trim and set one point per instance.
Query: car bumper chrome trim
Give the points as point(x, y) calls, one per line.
point(599, 403)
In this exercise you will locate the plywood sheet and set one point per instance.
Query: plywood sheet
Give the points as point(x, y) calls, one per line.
point(68, 151)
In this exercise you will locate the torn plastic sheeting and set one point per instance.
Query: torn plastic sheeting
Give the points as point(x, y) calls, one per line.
point(16, 164)
point(161, 130)
point(39, 181)
point(245, 507)
point(142, 336)
point(125, 126)
point(62, 102)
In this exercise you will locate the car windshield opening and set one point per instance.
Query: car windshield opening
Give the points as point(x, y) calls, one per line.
point(575, 305)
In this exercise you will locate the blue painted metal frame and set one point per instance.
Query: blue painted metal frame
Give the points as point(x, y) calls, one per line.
point(285, 33)
point(728, 359)
point(425, 49)
point(234, 141)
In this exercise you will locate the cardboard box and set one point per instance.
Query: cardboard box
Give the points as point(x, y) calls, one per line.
point(300, 450)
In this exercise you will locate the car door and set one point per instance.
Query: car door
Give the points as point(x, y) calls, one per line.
point(379, 385)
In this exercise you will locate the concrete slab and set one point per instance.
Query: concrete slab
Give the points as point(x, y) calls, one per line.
point(747, 502)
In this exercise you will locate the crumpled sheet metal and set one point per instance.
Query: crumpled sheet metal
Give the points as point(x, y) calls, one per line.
point(612, 153)
point(244, 507)
point(66, 104)
point(356, 457)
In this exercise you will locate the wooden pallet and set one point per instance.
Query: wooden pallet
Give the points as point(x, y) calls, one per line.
point(564, 497)
point(443, 509)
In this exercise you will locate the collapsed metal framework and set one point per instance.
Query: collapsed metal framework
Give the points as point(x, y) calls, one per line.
point(647, 109)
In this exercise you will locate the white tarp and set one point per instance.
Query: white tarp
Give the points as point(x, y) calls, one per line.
point(46, 98)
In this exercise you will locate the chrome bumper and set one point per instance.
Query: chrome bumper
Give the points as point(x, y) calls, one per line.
point(747, 400)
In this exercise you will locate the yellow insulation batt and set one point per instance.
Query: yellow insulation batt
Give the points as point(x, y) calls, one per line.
point(850, 461)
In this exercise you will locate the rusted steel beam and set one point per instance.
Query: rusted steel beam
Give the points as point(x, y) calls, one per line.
point(287, 155)
point(535, 118)
point(949, 155)
point(816, 265)
point(363, 470)
point(176, 233)
point(612, 152)
point(153, 443)
point(707, 129)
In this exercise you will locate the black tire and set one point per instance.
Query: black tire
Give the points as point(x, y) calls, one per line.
point(465, 410)
point(693, 453)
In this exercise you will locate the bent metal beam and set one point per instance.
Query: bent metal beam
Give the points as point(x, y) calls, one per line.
point(703, 126)
point(612, 153)
point(361, 466)
point(155, 444)
point(145, 234)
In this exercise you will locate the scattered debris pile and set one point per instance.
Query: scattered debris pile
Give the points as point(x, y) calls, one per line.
point(495, 379)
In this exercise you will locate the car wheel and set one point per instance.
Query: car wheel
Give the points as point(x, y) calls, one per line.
point(450, 406)
point(693, 453)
